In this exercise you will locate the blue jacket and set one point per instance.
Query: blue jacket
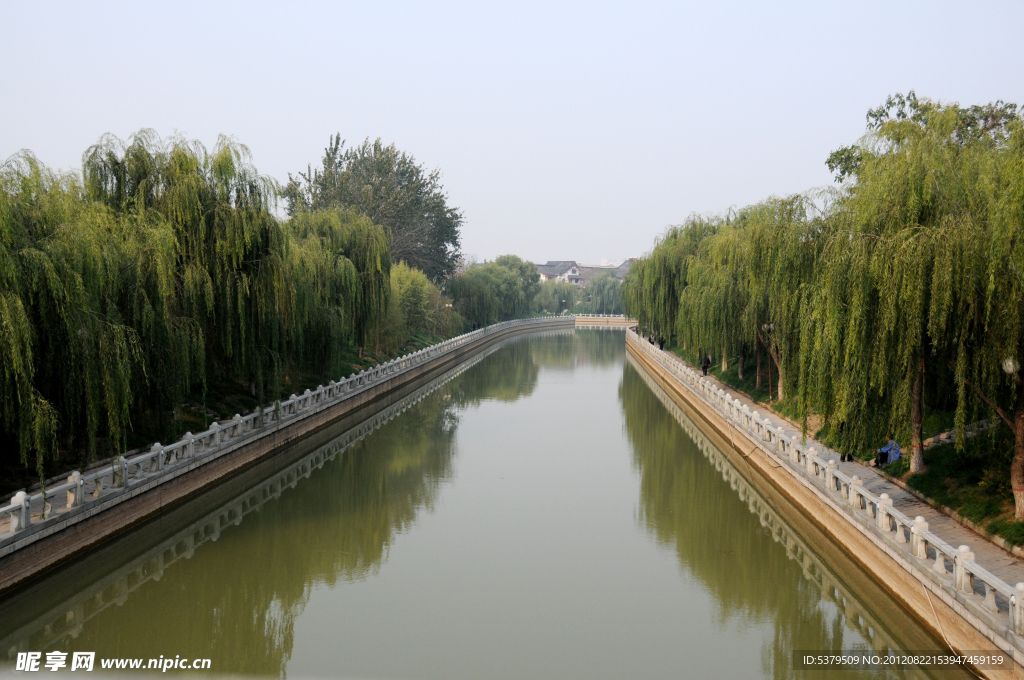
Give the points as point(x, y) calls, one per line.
point(893, 449)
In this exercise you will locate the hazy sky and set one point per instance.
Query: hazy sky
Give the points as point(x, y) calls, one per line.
point(563, 130)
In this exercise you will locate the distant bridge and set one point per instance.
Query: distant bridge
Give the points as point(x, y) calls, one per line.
point(604, 320)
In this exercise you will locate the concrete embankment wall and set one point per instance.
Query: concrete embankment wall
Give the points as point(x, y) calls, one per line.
point(929, 602)
point(50, 541)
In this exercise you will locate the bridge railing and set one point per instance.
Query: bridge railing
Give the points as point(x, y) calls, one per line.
point(83, 491)
point(998, 604)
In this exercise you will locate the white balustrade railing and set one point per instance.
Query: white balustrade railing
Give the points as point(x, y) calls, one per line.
point(953, 568)
point(82, 490)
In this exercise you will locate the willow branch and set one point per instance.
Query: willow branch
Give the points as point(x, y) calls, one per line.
point(1001, 412)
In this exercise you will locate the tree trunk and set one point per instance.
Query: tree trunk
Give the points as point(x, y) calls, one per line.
point(777, 358)
point(739, 363)
point(916, 422)
point(782, 381)
point(725, 362)
point(1017, 467)
point(757, 358)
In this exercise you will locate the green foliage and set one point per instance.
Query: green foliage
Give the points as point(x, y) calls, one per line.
point(844, 162)
point(162, 267)
point(396, 193)
point(651, 290)
point(495, 291)
point(556, 297)
point(417, 308)
point(603, 292)
point(897, 294)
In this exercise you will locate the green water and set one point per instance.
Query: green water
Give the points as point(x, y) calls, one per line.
point(540, 515)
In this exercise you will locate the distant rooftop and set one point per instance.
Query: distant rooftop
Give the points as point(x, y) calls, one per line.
point(555, 268)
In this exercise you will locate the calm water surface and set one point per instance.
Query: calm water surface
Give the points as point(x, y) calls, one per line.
point(542, 514)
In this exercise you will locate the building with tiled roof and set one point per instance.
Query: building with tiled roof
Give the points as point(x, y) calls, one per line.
point(564, 270)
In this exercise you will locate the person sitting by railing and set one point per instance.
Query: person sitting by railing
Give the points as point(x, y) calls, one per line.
point(890, 453)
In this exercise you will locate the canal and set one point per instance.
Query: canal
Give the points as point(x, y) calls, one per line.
point(541, 512)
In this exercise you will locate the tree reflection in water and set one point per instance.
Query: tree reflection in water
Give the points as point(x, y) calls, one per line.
point(238, 602)
point(686, 504)
point(337, 525)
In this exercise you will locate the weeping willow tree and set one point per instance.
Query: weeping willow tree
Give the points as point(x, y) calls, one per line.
point(495, 291)
point(995, 374)
point(75, 283)
point(901, 274)
point(230, 263)
point(903, 294)
point(652, 288)
point(160, 268)
point(717, 294)
point(346, 258)
point(556, 296)
point(785, 244)
point(737, 285)
point(604, 293)
point(978, 291)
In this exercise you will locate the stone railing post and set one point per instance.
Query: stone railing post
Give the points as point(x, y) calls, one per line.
point(963, 580)
point(75, 492)
point(158, 450)
point(918, 547)
point(21, 515)
point(884, 502)
point(829, 479)
point(856, 484)
point(811, 453)
point(121, 472)
point(1017, 609)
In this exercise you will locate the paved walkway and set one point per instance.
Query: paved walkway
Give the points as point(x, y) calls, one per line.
point(1001, 563)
